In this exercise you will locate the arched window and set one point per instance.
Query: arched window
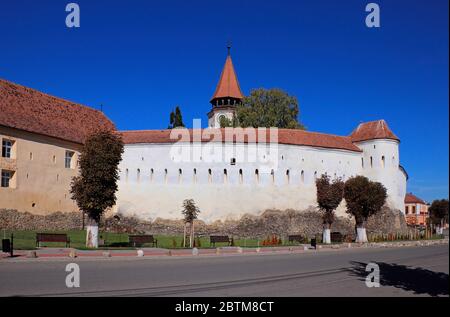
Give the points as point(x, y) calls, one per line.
point(138, 175)
point(302, 177)
point(165, 175)
point(209, 175)
point(257, 176)
point(371, 162)
point(194, 176)
point(383, 161)
point(241, 177)
point(180, 176)
point(225, 176)
point(287, 177)
point(152, 172)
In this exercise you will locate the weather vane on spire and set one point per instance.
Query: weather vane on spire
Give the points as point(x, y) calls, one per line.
point(229, 47)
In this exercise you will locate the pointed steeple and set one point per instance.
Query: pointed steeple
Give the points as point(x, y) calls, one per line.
point(228, 90)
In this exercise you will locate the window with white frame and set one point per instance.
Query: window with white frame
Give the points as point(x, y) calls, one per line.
point(6, 178)
point(68, 160)
point(7, 148)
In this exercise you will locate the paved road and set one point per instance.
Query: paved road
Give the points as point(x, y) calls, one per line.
point(412, 271)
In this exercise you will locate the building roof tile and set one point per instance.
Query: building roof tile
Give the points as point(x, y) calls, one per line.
point(33, 111)
point(228, 86)
point(373, 130)
point(412, 199)
point(285, 136)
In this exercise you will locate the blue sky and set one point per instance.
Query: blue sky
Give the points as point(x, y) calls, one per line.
point(141, 58)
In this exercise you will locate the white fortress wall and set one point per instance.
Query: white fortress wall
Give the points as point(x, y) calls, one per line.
point(220, 190)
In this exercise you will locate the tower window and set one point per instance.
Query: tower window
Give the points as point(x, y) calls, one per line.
point(225, 176)
point(233, 161)
point(257, 176)
point(272, 174)
point(371, 161)
point(302, 177)
point(138, 177)
point(383, 161)
point(209, 175)
point(241, 176)
point(152, 172)
point(194, 177)
point(287, 177)
point(180, 176)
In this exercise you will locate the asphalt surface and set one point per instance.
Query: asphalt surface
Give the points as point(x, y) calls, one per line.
point(409, 271)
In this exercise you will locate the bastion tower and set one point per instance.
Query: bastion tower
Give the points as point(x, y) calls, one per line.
point(227, 95)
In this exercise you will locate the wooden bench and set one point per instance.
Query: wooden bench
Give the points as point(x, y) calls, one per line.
point(296, 238)
point(52, 237)
point(140, 239)
point(217, 239)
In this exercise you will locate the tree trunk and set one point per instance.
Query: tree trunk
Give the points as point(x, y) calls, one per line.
point(361, 235)
point(92, 232)
point(326, 237)
point(192, 235)
point(184, 236)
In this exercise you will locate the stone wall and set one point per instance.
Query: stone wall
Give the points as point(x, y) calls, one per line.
point(281, 223)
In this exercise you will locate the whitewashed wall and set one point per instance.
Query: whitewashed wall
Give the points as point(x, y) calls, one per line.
point(385, 171)
point(147, 191)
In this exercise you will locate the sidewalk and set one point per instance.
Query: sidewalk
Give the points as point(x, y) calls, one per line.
point(220, 251)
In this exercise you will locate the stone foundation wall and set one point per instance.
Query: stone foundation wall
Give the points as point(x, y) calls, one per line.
point(281, 223)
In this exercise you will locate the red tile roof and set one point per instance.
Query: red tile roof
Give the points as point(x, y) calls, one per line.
point(33, 111)
point(373, 130)
point(412, 199)
point(228, 85)
point(285, 136)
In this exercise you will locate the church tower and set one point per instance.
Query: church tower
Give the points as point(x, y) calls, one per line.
point(227, 95)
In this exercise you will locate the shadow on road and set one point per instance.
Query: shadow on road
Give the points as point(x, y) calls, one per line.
point(417, 280)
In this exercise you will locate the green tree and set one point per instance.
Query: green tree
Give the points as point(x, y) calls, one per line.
point(268, 108)
point(190, 213)
point(364, 198)
point(94, 189)
point(439, 213)
point(329, 196)
point(226, 122)
point(176, 119)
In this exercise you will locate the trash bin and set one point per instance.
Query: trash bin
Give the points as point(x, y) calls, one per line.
point(314, 243)
point(6, 245)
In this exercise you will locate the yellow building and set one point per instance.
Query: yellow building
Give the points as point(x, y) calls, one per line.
point(41, 137)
